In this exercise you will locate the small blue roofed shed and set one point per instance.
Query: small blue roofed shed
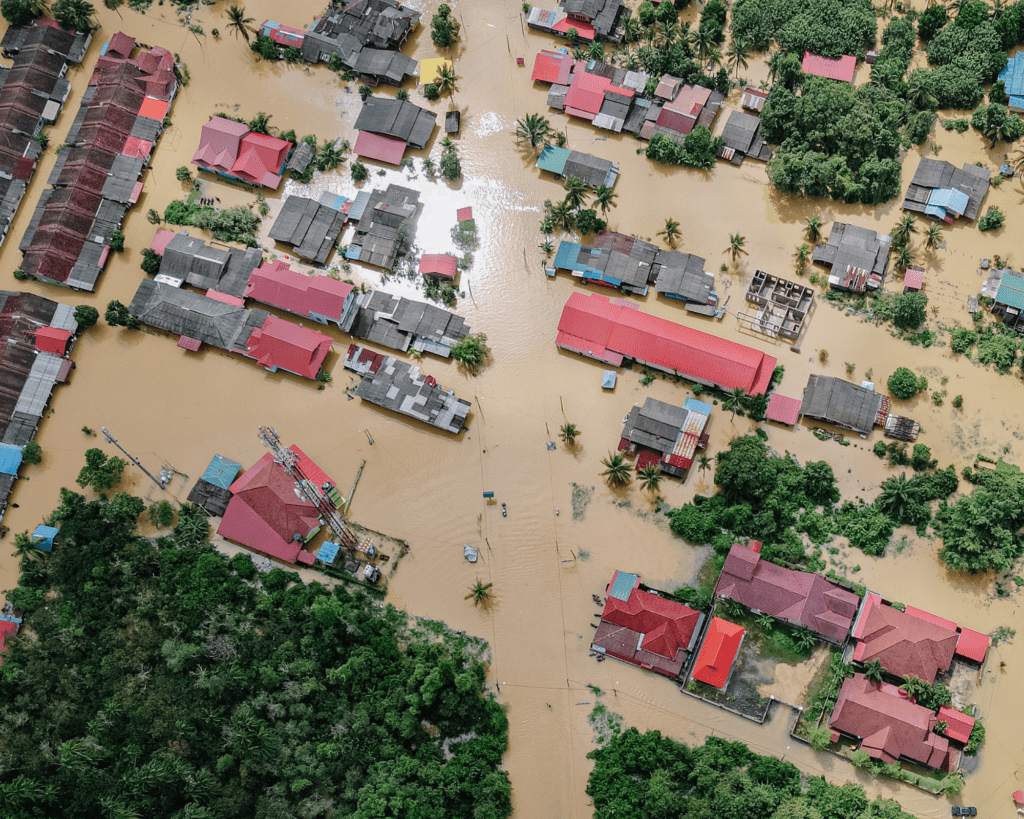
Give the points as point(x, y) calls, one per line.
point(947, 204)
point(222, 472)
point(328, 552)
point(1012, 76)
point(10, 459)
point(552, 159)
point(42, 537)
point(608, 378)
point(623, 585)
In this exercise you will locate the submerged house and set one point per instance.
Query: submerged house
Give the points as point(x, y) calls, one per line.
point(666, 435)
point(212, 491)
point(1009, 300)
point(385, 222)
point(1012, 77)
point(944, 192)
point(857, 258)
point(609, 266)
point(309, 227)
point(718, 653)
point(321, 298)
point(591, 19)
point(387, 127)
point(404, 324)
point(228, 148)
point(679, 109)
point(843, 404)
point(564, 163)
point(188, 259)
point(682, 276)
point(841, 69)
point(643, 627)
point(743, 140)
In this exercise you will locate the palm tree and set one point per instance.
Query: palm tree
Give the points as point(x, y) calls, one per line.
point(562, 216)
point(901, 233)
point(575, 192)
point(904, 258)
point(874, 670)
point(958, 5)
point(666, 33)
point(736, 243)
point(328, 157)
point(568, 433)
point(802, 255)
point(703, 463)
point(898, 497)
point(239, 22)
point(739, 53)
point(734, 400)
point(24, 547)
point(932, 237)
point(617, 471)
point(918, 93)
point(260, 124)
point(670, 232)
point(595, 51)
point(604, 198)
point(76, 15)
point(813, 229)
point(913, 685)
point(446, 81)
point(114, 5)
point(479, 592)
point(714, 57)
point(533, 128)
point(805, 638)
point(631, 29)
point(766, 622)
point(650, 477)
point(546, 248)
point(703, 42)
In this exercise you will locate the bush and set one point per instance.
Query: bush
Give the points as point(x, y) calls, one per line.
point(116, 241)
point(359, 172)
point(472, 351)
point(86, 316)
point(431, 92)
point(117, 315)
point(444, 30)
point(19, 12)
point(879, 449)
point(33, 453)
point(183, 174)
point(908, 310)
point(693, 524)
point(712, 20)
point(921, 459)
point(903, 384)
point(997, 93)
point(931, 22)
point(962, 339)
point(992, 220)
point(151, 261)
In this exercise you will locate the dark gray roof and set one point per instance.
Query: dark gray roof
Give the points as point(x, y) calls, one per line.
point(591, 169)
point(397, 118)
point(301, 157)
point(740, 130)
point(311, 228)
point(389, 67)
point(146, 128)
point(374, 23)
point(401, 323)
point(933, 173)
point(655, 425)
point(682, 275)
point(602, 14)
point(386, 225)
point(214, 499)
point(852, 246)
point(841, 403)
point(186, 313)
point(123, 175)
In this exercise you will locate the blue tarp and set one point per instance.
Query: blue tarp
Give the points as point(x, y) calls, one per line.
point(10, 459)
point(568, 253)
point(353, 252)
point(693, 405)
point(221, 472)
point(328, 552)
point(42, 537)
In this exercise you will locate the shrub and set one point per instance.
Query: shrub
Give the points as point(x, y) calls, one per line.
point(183, 174)
point(958, 401)
point(992, 220)
point(430, 91)
point(962, 339)
point(359, 172)
point(116, 241)
point(86, 316)
point(693, 524)
point(879, 449)
point(903, 384)
point(33, 453)
point(908, 310)
point(472, 351)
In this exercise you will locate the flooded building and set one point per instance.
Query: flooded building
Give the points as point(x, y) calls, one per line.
point(945, 192)
point(212, 491)
point(32, 93)
point(403, 324)
point(795, 597)
point(843, 404)
point(743, 140)
point(321, 298)
point(604, 94)
point(309, 227)
point(228, 148)
point(590, 19)
point(682, 276)
point(841, 69)
point(387, 127)
point(629, 271)
point(1009, 300)
point(718, 652)
point(96, 176)
point(439, 266)
point(666, 435)
point(613, 331)
point(857, 258)
point(564, 163)
point(284, 36)
point(402, 388)
point(644, 628)
point(189, 260)
point(385, 222)
point(680, 108)
point(1012, 76)
point(782, 306)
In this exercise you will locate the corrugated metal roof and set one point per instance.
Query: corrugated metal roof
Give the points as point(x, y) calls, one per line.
point(222, 471)
point(842, 69)
point(552, 159)
point(1011, 291)
point(379, 147)
point(10, 459)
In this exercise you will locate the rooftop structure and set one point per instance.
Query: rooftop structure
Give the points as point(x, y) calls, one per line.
point(1009, 300)
point(782, 306)
point(16, 39)
point(401, 324)
point(394, 120)
point(95, 178)
point(841, 69)
point(1012, 76)
point(856, 257)
point(281, 345)
point(284, 36)
point(189, 260)
point(439, 266)
point(644, 628)
point(783, 410)
point(743, 140)
point(677, 116)
point(913, 278)
point(230, 149)
point(896, 426)
point(958, 724)
point(666, 435)
point(321, 298)
point(402, 388)
point(889, 726)
point(612, 331)
point(592, 170)
point(945, 192)
point(903, 642)
point(592, 19)
point(552, 67)
point(607, 266)
point(212, 491)
point(795, 597)
point(605, 94)
point(753, 99)
point(385, 225)
point(310, 227)
point(846, 405)
point(9, 627)
point(718, 653)
point(682, 276)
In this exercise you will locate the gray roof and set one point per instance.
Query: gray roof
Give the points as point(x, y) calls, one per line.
point(311, 228)
point(399, 323)
point(740, 130)
point(146, 128)
point(397, 118)
point(841, 403)
point(38, 386)
point(852, 246)
point(186, 313)
point(386, 225)
point(301, 157)
point(390, 67)
point(591, 169)
point(214, 499)
point(225, 269)
point(124, 173)
point(682, 275)
point(373, 23)
point(602, 14)
point(655, 425)
point(933, 173)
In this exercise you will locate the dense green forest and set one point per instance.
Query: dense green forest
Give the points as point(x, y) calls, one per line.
point(157, 678)
point(650, 776)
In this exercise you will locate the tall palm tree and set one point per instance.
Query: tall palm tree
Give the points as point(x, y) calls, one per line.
point(650, 477)
point(562, 216)
point(24, 547)
point(479, 592)
point(899, 498)
point(739, 53)
point(904, 258)
point(670, 232)
point(666, 33)
point(328, 157)
point(714, 57)
point(703, 463)
point(568, 433)
point(446, 81)
point(932, 237)
point(703, 42)
point(901, 233)
point(604, 198)
point(918, 93)
point(813, 229)
point(595, 51)
point(632, 30)
point(114, 5)
point(260, 124)
point(575, 192)
point(874, 670)
point(533, 128)
point(734, 400)
point(736, 243)
point(617, 471)
point(239, 22)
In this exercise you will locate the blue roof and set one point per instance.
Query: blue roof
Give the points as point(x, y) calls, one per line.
point(624, 583)
point(935, 210)
point(693, 405)
point(355, 213)
point(553, 159)
point(328, 551)
point(10, 459)
point(949, 199)
point(608, 378)
point(1012, 75)
point(354, 252)
point(221, 472)
point(1016, 102)
point(334, 201)
point(42, 537)
point(1011, 291)
point(568, 253)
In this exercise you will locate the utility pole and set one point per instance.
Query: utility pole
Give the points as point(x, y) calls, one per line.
point(165, 476)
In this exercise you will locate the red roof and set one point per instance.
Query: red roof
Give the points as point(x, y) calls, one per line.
point(464, 214)
point(794, 596)
point(842, 69)
point(928, 617)
point(674, 121)
point(216, 295)
point(913, 278)
point(690, 99)
point(266, 512)
point(718, 653)
point(136, 192)
point(7, 629)
point(904, 644)
point(261, 159)
point(282, 345)
point(218, 144)
point(190, 344)
point(584, 30)
point(586, 94)
point(310, 470)
point(595, 326)
point(889, 725)
point(959, 724)
point(276, 284)
point(439, 264)
point(134, 146)
point(161, 239)
point(552, 66)
point(122, 44)
point(972, 645)
point(380, 147)
point(783, 410)
point(52, 340)
point(152, 108)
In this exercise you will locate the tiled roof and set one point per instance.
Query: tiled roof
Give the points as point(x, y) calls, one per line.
point(903, 643)
point(551, 66)
point(260, 159)
point(586, 93)
point(841, 69)
point(973, 645)
point(218, 144)
point(276, 284)
point(913, 278)
point(286, 346)
point(718, 653)
point(594, 326)
point(959, 725)
point(783, 410)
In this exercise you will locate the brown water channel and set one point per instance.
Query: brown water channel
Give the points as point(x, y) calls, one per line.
point(179, 408)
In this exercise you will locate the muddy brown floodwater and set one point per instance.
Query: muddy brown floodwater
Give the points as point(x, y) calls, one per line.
point(168, 406)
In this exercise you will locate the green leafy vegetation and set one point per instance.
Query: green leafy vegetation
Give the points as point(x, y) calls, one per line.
point(86, 316)
point(904, 384)
point(117, 315)
point(33, 453)
point(100, 472)
point(697, 150)
point(234, 224)
point(472, 351)
point(830, 28)
point(992, 220)
point(444, 29)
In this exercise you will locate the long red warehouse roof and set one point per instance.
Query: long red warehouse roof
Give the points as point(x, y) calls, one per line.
point(595, 326)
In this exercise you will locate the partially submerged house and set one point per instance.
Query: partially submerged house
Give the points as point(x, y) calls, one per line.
point(606, 95)
point(682, 276)
point(309, 227)
point(387, 127)
point(718, 652)
point(403, 324)
point(564, 163)
point(795, 597)
point(841, 69)
point(212, 491)
point(284, 36)
point(612, 331)
point(743, 140)
point(682, 109)
point(189, 260)
point(666, 435)
point(590, 19)
point(1009, 300)
point(629, 271)
point(1012, 77)
point(402, 388)
point(321, 298)
point(913, 279)
point(228, 148)
point(643, 627)
point(782, 306)
point(857, 258)
point(783, 410)
point(944, 192)
point(385, 224)
point(95, 178)
point(843, 404)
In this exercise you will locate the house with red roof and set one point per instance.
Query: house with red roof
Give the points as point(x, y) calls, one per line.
point(958, 724)
point(53, 340)
point(841, 69)
point(889, 725)
point(795, 597)
point(321, 298)
point(281, 345)
point(783, 410)
point(267, 514)
point(904, 642)
point(552, 67)
point(718, 653)
point(8, 629)
point(612, 331)
point(643, 627)
point(230, 149)
point(439, 266)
